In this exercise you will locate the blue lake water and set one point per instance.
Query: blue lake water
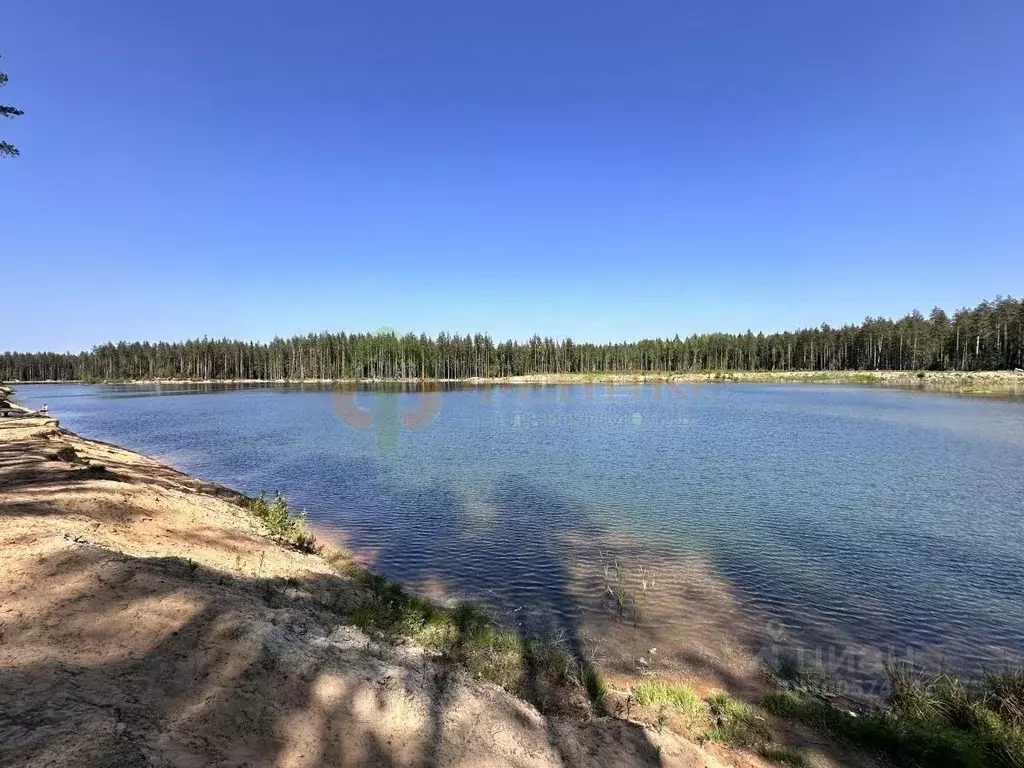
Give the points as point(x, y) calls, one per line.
point(818, 517)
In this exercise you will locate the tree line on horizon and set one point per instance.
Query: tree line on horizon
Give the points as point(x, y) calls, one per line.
point(987, 337)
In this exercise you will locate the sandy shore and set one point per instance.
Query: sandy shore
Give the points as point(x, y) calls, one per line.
point(964, 382)
point(145, 619)
point(981, 382)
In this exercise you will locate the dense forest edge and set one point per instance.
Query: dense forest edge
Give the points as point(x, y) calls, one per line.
point(988, 337)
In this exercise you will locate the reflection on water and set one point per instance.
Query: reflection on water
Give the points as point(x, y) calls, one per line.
point(851, 521)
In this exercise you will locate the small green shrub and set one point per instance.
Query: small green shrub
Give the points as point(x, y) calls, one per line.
point(282, 523)
point(595, 685)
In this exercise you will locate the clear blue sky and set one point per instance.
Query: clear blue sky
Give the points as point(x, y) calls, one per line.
point(605, 170)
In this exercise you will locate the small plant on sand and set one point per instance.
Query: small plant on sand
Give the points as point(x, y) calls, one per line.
point(720, 718)
point(68, 454)
point(653, 692)
point(735, 723)
point(337, 556)
point(343, 561)
point(681, 698)
point(494, 654)
point(595, 685)
point(780, 755)
point(282, 523)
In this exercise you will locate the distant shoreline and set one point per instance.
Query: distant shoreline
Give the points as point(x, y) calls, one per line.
point(964, 382)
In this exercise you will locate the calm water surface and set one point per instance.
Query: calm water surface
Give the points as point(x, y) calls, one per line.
point(820, 517)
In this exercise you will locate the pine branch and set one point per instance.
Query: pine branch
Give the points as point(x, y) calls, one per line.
point(7, 149)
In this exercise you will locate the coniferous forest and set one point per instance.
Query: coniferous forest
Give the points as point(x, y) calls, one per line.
point(987, 337)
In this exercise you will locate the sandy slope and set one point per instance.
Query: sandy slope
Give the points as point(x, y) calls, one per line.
point(144, 620)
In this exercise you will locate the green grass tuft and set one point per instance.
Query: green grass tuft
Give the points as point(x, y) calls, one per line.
point(595, 685)
point(907, 740)
point(1004, 695)
point(782, 755)
point(472, 620)
point(652, 693)
point(497, 655)
point(338, 558)
point(282, 523)
point(929, 721)
point(736, 724)
point(684, 700)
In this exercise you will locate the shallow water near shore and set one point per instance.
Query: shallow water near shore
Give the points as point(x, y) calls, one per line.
point(713, 523)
